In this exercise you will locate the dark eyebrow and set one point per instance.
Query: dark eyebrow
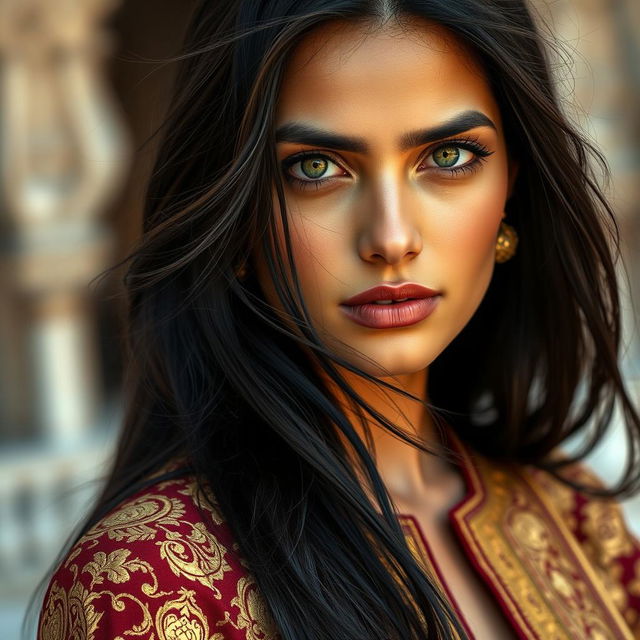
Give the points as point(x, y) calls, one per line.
point(458, 124)
point(316, 137)
point(313, 136)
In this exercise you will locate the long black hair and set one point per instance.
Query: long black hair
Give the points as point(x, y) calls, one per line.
point(215, 374)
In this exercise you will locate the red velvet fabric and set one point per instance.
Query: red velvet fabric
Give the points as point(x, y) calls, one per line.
point(153, 569)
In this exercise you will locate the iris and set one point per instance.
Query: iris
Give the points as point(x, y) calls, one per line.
point(314, 167)
point(446, 156)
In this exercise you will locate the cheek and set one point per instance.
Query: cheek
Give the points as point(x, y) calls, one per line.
point(474, 237)
point(317, 252)
point(464, 238)
point(317, 242)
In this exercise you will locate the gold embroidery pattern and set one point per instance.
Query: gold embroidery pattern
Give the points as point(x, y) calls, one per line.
point(253, 616)
point(138, 520)
point(69, 616)
point(532, 561)
point(604, 523)
point(198, 557)
point(602, 532)
point(194, 492)
point(114, 565)
point(555, 574)
point(182, 619)
point(106, 592)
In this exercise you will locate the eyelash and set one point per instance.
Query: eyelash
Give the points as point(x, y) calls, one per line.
point(470, 144)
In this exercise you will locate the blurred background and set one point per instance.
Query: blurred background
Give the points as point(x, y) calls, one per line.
point(81, 89)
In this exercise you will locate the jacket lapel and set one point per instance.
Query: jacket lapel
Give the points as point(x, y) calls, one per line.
point(520, 546)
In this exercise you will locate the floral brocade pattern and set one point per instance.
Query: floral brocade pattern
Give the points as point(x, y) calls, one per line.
point(599, 527)
point(562, 565)
point(152, 569)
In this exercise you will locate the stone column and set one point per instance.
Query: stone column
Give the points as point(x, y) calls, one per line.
point(63, 155)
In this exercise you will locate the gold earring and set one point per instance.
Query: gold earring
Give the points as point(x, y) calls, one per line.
point(506, 242)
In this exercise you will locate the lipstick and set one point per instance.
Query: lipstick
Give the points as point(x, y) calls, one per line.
point(387, 306)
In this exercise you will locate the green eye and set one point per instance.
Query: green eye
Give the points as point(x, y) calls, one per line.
point(314, 167)
point(446, 156)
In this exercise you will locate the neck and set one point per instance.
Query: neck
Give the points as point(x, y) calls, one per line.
point(411, 476)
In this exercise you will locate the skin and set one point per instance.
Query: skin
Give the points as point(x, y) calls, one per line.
point(388, 215)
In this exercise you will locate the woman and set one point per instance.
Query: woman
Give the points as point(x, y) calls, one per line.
point(375, 270)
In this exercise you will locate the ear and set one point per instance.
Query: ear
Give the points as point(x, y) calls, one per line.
point(514, 167)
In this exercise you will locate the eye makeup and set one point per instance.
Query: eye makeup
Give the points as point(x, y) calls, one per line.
point(473, 145)
point(298, 158)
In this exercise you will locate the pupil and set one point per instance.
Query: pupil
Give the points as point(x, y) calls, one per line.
point(314, 168)
point(446, 156)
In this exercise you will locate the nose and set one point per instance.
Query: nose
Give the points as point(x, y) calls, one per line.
point(390, 234)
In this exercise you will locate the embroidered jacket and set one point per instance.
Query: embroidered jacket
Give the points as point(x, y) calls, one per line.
point(561, 566)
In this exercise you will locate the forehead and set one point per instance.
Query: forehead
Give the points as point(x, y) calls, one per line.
point(346, 75)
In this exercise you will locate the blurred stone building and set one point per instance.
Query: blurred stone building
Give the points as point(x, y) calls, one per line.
point(82, 90)
point(79, 95)
point(598, 75)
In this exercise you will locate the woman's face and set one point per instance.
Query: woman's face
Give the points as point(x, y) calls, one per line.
point(395, 169)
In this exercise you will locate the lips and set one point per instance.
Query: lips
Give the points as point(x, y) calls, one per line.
point(390, 292)
point(390, 307)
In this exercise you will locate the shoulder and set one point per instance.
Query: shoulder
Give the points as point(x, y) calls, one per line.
point(600, 528)
point(162, 564)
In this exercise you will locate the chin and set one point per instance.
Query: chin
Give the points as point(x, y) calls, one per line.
point(396, 368)
point(381, 355)
point(389, 363)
